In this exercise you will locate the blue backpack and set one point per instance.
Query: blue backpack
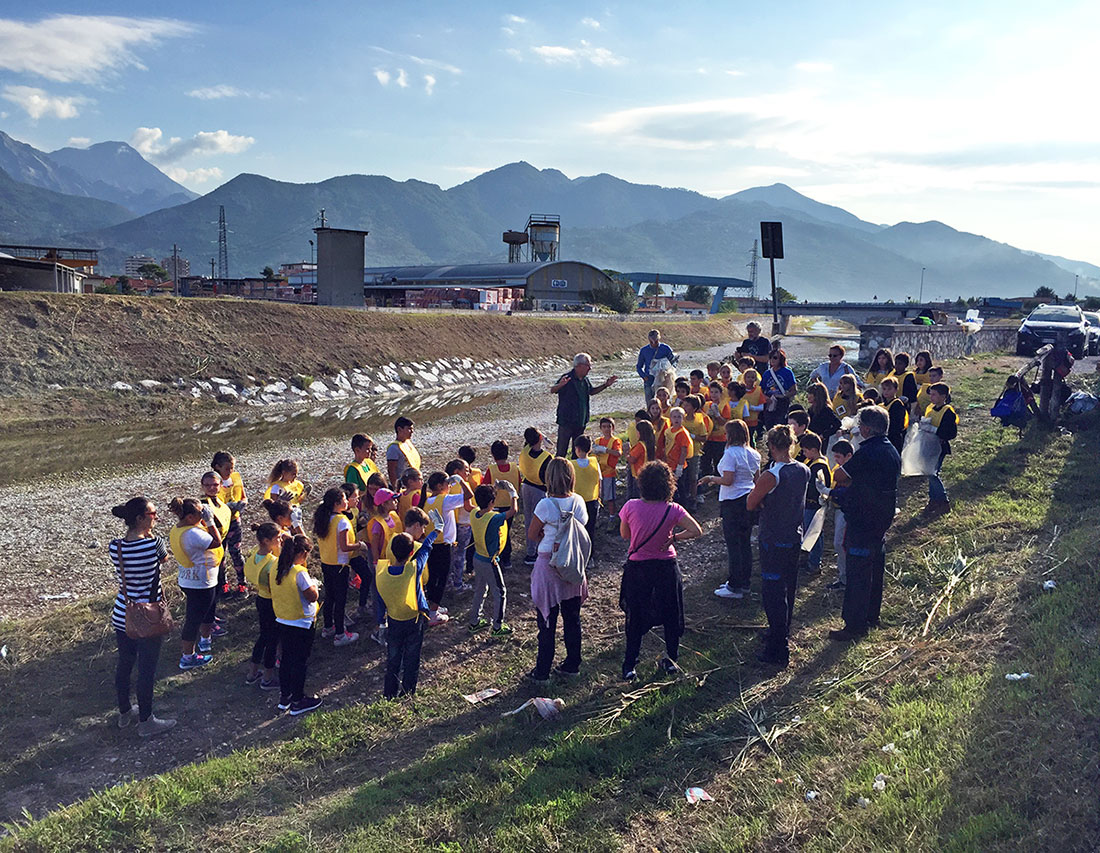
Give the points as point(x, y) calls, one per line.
point(1012, 410)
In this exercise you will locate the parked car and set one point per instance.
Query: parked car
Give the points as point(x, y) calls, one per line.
point(1093, 318)
point(1047, 322)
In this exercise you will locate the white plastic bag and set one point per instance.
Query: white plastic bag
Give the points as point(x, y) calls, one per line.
point(920, 453)
point(813, 530)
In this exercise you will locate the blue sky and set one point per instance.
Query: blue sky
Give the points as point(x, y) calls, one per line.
point(979, 114)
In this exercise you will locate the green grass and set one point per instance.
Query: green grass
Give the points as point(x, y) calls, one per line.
point(978, 763)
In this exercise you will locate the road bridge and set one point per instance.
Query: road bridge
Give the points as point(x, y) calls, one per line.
point(720, 284)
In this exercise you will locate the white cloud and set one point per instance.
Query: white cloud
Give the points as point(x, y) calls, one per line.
point(434, 64)
point(149, 142)
point(195, 176)
point(382, 76)
point(733, 72)
point(38, 103)
point(429, 83)
point(814, 67)
point(515, 53)
point(81, 48)
point(214, 93)
point(508, 31)
point(555, 54)
point(515, 19)
point(402, 78)
point(590, 22)
point(79, 142)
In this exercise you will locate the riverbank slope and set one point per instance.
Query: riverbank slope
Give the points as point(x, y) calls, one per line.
point(60, 354)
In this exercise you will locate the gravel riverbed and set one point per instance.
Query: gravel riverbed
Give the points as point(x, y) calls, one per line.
point(53, 549)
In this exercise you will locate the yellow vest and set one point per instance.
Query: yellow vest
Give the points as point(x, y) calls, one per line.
point(435, 502)
point(405, 503)
point(390, 527)
point(175, 535)
point(398, 591)
point(223, 515)
point(529, 467)
point(873, 378)
point(285, 598)
point(296, 489)
point(920, 378)
point(842, 408)
point(739, 411)
point(503, 500)
point(698, 427)
point(364, 469)
point(586, 473)
point(923, 400)
point(479, 525)
point(412, 455)
point(232, 492)
point(258, 569)
point(935, 415)
point(329, 546)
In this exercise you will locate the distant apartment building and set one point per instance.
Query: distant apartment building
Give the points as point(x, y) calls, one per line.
point(136, 262)
point(184, 266)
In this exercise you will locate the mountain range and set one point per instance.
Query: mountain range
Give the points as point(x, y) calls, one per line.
point(830, 253)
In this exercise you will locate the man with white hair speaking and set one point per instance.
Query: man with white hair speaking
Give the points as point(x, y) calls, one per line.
point(573, 390)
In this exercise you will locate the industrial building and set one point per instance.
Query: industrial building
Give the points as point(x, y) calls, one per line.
point(45, 268)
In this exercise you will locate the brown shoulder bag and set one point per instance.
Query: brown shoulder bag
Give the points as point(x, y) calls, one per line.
point(144, 619)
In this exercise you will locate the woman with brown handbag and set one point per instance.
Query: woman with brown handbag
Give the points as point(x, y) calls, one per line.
point(138, 557)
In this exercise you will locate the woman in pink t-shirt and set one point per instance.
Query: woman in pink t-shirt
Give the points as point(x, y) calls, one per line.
point(652, 591)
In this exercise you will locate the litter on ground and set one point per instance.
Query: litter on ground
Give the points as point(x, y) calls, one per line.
point(1049, 585)
point(811, 796)
point(1017, 676)
point(481, 695)
point(697, 795)
point(890, 747)
point(547, 708)
point(880, 782)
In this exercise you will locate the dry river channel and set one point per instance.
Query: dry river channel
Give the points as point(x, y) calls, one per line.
point(60, 487)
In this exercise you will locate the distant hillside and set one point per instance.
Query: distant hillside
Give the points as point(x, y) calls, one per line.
point(111, 171)
point(116, 172)
point(782, 197)
point(33, 215)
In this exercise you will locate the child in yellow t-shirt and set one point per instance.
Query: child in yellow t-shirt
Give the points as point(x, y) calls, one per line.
point(232, 493)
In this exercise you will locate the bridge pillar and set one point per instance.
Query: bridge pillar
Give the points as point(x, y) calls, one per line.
point(637, 285)
point(719, 295)
point(780, 328)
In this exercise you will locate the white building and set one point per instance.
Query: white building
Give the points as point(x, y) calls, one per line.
point(136, 262)
point(184, 266)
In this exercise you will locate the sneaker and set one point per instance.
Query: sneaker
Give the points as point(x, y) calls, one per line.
point(218, 630)
point(568, 673)
point(354, 581)
point(284, 703)
point(242, 589)
point(379, 636)
point(154, 726)
point(437, 618)
point(726, 591)
point(528, 561)
point(836, 585)
point(253, 677)
point(670, 667)
point(328, 633)
point(534, 677)
point(345, 639)
point(502, 630)
point(304, 706)
point(130, 716)
point(193, 661)
point(479, 625)
point(269, 685)
point(204, 645)
point(630, 675)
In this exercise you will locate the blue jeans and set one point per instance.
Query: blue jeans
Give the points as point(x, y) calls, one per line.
point(815, 553)
point(936, 491)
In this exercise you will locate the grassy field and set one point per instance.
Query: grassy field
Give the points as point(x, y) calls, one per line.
point(966, 760)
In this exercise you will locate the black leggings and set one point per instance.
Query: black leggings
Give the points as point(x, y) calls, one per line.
point(570, 610)
point(297, 644)
point(267, 644)
point(737, 530)
point(201, 607)
point(593, 508)
point(439, 568)
point(145, 654)
point(336, 596)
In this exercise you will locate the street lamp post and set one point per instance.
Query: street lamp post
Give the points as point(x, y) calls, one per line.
point(1075, 277)
point(921, 297)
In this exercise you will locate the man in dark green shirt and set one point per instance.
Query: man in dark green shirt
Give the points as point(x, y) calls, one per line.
point(574, 389)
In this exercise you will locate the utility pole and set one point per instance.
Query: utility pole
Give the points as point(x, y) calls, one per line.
point(1075, 277)
point(752, 269)
point(323, 218)
point(921, 297)
point(223, 245)
point(211, 269)
point(175, 269)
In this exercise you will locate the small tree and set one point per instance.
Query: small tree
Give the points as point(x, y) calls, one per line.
point(616, 295)
point(728, 306)
point(154, 271)
point(268, 274)
point(784, 295)
point(1044, 292)
point(698, 293)
point(123, 285)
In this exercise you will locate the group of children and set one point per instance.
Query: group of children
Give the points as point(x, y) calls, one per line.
point(402, 541)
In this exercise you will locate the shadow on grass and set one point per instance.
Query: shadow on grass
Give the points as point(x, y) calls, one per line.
point(1032, 765)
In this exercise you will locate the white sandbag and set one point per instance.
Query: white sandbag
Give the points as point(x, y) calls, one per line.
point(813, 531)
point(919, 453)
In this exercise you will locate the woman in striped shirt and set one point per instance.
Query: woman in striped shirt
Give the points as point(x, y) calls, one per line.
point(139, 554)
